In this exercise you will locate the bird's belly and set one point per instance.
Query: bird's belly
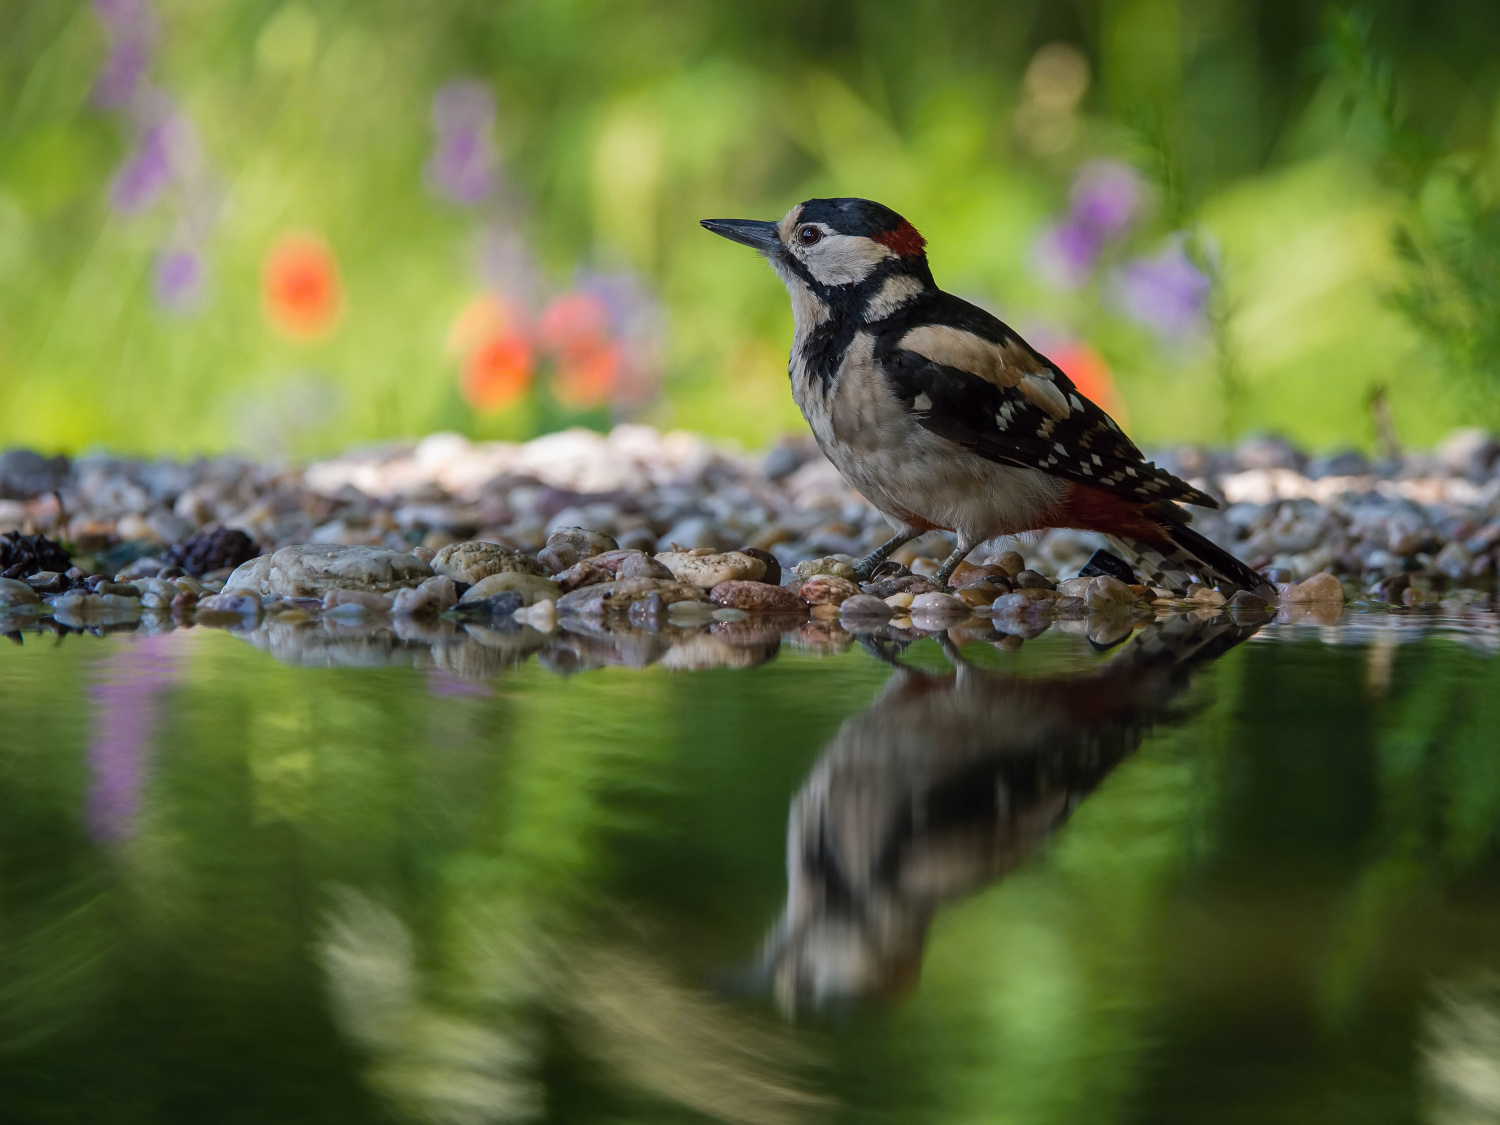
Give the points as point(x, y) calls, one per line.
point(918, 479)
point(929, 481)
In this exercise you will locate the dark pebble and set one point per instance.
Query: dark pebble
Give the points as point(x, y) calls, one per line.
point(1105, 563)
point(1031, 580)
point(773, 564)
point(495, 607)
point(906, 584)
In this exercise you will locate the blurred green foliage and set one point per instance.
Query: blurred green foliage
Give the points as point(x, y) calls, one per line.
point(1332, 168)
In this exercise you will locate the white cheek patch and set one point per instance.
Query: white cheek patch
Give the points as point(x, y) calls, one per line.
point(893, 294)
point(842, 259)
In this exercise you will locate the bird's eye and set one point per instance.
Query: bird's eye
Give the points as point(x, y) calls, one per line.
point(808, 235)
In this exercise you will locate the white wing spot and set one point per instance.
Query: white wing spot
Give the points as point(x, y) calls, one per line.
point(1057, 445)
point(1077, 405)
point(1097, 459)
point(1129, 472)
point(922, 402)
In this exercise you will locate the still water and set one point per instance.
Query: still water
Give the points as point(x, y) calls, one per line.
point(1211, 874)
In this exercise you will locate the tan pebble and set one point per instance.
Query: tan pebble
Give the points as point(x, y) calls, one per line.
point(899, 601)
point(1319, 588)
point(826, 589)
point(825, 611)
point(981, 594)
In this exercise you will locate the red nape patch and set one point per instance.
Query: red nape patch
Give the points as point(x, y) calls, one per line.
point(1092, 509)
point(904, 240)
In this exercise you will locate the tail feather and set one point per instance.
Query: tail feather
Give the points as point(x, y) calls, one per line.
point(1185, 558)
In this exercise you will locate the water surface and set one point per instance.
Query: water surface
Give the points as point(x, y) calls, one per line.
point(1212, 873)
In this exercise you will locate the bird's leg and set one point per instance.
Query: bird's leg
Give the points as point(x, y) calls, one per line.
point(867, 566)
point(950, 564)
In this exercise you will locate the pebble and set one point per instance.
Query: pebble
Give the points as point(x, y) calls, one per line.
point(728, 613)
point(1323, 588)
point(706, 569)
point(13, 592)
point(351, 599)
point(531, 588)
point(901, 600)
point(866, 607)
point(757, 597)
point(827, 589)
point(619, 595)
point(1104, 592)
point(937, 603)
point(468, 562)
point(830, 565)
point(568, 545)
point(241, 603)
point(312, 569)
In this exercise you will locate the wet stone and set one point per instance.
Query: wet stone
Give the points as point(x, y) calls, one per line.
point(827, 589)
point(531, 588)
point(706, 569)
point(905, 584)
point(757, 597)
point(469, 562)
point(312, 569)
point(830, 565)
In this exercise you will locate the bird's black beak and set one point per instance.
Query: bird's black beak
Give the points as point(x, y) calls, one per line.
point(754, 233)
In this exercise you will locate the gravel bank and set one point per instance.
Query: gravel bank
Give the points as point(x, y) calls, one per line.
point(662, 537)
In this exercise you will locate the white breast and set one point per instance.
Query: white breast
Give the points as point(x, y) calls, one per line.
point(912, 476)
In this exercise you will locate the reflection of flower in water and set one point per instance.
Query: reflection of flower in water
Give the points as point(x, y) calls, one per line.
point(445, 685)
point(300, 286)
point(123, 705)
point(1167, 292)
point(464, 166)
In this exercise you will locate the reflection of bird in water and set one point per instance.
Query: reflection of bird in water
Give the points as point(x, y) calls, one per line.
point(946, 783)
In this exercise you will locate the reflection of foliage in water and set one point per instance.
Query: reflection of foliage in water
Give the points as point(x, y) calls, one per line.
point(355, 893)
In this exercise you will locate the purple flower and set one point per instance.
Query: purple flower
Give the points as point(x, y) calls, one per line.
point(1167, 292)
point(464, 166)
point(180, 277)
point(133, 32)
point(145, 173)
point(123, 705)
point(1066, 254)
point(1106, 198)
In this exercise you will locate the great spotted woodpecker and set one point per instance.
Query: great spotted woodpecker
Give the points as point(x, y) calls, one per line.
point(944, 418)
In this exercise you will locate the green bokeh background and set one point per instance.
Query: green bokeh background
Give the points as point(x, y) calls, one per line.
point(1336, 165)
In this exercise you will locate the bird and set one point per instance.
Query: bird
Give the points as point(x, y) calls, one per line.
point(944, 418)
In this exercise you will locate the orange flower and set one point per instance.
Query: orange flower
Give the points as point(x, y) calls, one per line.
point(1091, 375)
point(300, 286)
point(498, 372)
point(584, 379)
point(485, 317)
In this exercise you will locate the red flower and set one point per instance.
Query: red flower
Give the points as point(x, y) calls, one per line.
point(584, 379)
point(300, 286)
point(1091, 375)
point(497, 373)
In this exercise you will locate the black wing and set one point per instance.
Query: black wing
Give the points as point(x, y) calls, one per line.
point(1041, 422)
